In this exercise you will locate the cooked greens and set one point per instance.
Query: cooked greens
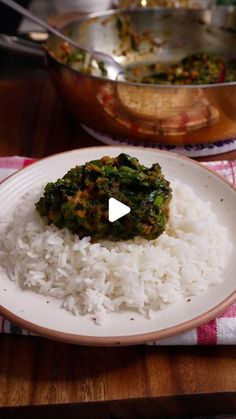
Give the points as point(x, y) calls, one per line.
point(200, 68)
point(79, 201)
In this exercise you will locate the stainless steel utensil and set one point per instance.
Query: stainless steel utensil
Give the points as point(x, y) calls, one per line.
point(113, 69)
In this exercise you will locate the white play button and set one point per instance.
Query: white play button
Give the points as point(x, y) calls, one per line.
point(116, 210)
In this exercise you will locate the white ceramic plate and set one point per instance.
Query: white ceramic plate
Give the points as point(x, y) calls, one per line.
point(31, 311)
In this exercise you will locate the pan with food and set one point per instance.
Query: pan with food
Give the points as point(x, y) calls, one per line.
point(180, 75)
point(195, 4)
point(180, 72)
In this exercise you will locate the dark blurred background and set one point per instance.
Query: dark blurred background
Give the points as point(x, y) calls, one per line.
point(10, 20)
point(14, 63)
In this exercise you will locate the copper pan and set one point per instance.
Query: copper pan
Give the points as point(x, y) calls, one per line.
point(152, 113)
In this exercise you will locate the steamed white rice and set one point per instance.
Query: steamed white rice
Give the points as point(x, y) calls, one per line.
point(104, 277)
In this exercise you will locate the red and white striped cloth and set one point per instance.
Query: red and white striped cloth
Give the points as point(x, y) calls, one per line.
point(220, 331)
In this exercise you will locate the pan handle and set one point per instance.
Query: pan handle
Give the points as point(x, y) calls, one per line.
point(16, 44)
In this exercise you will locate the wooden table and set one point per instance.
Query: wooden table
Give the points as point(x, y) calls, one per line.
point(36, 371)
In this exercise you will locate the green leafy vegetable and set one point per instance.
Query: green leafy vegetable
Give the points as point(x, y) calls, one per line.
point(79, 201)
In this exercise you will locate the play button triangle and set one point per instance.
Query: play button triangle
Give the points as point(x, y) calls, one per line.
point(116, 210)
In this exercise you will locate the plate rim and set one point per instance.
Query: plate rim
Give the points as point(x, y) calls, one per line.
point(134, 339)
point(191, 160)
point(126, 340)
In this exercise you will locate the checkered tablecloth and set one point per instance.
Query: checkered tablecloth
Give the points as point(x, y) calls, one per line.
point(220, 331)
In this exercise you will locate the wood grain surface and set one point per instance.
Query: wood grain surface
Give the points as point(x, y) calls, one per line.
point(173, 407)
point(36, 371)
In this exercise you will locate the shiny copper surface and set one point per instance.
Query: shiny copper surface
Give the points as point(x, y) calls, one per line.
point(165, 114)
